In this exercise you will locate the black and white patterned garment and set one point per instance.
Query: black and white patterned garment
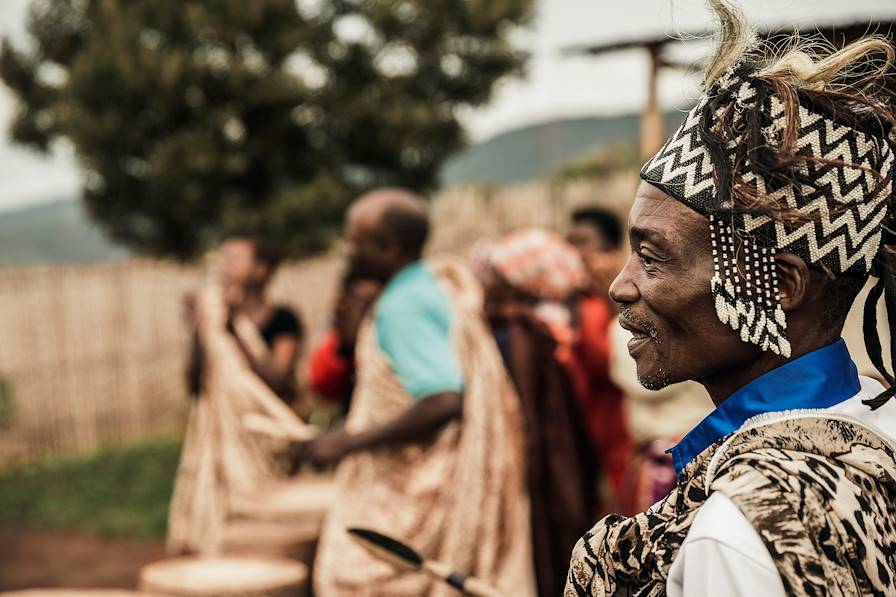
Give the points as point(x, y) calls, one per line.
point(819, 488)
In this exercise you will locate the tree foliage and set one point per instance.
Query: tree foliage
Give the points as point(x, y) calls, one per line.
point(193, 119)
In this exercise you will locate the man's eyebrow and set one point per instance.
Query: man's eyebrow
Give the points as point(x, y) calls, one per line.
point(650, 234)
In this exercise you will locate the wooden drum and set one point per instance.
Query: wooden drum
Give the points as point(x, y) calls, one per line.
point(295, 540)
point(73, 593)
point(225, 577)
point(299, 500)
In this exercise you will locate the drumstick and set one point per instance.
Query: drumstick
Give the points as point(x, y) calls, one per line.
point(404, 557)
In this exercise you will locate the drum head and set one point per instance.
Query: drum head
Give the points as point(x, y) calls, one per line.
point(299, 500)
point(222, 577)
point(74, 593)
point(294, 540)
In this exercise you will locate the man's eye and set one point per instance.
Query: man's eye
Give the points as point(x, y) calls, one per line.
point(646, 259)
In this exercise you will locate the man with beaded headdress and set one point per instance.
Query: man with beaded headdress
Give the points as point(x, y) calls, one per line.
point(753, 231)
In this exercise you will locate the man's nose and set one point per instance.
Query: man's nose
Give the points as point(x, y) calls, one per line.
point(623, 289)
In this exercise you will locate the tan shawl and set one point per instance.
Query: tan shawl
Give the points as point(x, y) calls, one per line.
point(459, 498)
point(225, 457)
point(819, 489)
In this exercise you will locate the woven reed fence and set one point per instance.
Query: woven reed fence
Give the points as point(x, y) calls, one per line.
point(93, 355)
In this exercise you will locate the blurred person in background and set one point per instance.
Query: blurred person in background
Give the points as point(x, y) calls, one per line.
point(246, 266)
point(331, 368)
point(634, 426)
point(431, 452)
point(242, 366)
point(597, 234)
point(530, 279)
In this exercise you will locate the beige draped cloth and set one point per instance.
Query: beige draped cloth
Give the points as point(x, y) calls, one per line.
point(459, 498)
point(235, 430)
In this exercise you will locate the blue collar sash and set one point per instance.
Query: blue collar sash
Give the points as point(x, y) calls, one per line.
point(820, 379)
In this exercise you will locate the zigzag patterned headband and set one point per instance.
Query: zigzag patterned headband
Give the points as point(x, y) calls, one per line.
point(710, 164)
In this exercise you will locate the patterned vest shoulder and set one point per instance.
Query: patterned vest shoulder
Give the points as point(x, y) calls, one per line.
point(820, 490)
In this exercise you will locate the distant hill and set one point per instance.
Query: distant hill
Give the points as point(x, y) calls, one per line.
point(540, 150)
point(60, 232)
point(57, 232)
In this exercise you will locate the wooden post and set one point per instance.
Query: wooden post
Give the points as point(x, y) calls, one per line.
point(653, 133)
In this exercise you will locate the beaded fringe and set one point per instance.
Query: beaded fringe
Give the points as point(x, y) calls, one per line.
point(754, 307)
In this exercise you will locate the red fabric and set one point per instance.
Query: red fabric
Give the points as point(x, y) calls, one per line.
point(328, 370)
point(599, 398)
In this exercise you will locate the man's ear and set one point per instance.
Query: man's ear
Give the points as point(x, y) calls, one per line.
point(793, 280)
point(388, 245)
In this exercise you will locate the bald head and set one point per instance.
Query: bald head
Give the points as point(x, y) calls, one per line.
point(395, 214)
point(386, 229)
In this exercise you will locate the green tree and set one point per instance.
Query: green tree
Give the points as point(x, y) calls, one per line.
point(193, 119)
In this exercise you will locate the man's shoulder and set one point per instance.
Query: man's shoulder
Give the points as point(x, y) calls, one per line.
point(419, 292)
point(285, 313)
point(882, 420)
point(720, 523)
point(723, 554)
point(283, 319)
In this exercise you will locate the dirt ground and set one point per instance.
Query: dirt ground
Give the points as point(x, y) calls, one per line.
point(31, 559)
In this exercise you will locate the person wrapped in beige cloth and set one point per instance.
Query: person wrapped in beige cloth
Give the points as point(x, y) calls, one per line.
point(241, 372)
point(432, 450)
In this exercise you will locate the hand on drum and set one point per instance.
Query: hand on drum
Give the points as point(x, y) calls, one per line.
point(324, 450)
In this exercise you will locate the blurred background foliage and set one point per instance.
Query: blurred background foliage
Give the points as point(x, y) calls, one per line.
point(121, 493)
point(7, 403)
point(605, 161)
point(194, 119)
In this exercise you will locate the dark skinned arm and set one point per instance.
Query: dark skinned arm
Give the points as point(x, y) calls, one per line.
point(418, 423)
point(276, 373)
point(196, 358)
point(195, 366)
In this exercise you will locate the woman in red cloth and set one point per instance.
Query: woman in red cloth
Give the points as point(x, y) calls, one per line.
point(530, 278)
point(331, 369)
point(596, 233)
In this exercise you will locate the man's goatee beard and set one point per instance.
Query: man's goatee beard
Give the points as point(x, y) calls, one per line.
point(656, 381)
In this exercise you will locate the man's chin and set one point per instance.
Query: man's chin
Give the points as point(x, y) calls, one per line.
point(654, 383)
point(652, 375)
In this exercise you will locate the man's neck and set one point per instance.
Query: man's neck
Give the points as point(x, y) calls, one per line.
point(254, 303)
point(401, 266)
point(722, 385)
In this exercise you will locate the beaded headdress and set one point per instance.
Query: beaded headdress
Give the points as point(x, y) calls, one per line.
point(828, 206)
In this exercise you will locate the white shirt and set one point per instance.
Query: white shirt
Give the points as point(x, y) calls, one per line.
point(722, 553)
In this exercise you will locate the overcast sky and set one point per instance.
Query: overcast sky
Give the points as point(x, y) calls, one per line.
point(556, 86)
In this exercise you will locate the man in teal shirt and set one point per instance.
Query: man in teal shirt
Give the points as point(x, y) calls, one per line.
point(413, 324)
point(386, 232)
point(431, 452)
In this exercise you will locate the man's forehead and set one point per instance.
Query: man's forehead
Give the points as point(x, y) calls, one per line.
point(584, 228)
point(237, 244)
point(362, 217)
point(657, 214)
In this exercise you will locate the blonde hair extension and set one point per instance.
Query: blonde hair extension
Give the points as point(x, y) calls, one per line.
point(735, 38)
point(803, 69)
point(812, 64)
